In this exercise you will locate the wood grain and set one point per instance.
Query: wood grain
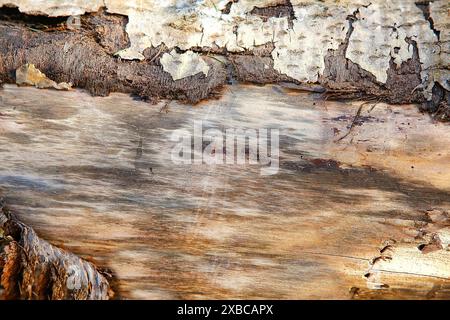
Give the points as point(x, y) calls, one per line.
point(342, 219)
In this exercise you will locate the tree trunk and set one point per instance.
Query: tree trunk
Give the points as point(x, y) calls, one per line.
point(355, 205)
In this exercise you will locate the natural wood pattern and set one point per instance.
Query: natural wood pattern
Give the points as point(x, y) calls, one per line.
point(77, 169)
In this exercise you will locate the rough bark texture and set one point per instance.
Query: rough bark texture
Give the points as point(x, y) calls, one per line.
point(86, 57)
point(33, 269)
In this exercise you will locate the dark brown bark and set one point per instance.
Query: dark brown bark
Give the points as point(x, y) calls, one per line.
point(83, 57)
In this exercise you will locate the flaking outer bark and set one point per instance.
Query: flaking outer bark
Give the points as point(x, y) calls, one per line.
point(347, 80)
point(85, 57)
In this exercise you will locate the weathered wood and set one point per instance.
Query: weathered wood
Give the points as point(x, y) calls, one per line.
point(33, 269)
point(344, 218)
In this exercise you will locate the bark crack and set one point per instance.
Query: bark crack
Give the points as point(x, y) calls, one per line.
point(425, 7)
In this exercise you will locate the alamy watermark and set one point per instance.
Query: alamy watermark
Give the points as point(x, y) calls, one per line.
point(227, 147)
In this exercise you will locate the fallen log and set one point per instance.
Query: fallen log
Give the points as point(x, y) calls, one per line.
point(358, 210)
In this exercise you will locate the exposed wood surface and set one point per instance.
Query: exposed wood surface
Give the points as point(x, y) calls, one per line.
point(342, 218)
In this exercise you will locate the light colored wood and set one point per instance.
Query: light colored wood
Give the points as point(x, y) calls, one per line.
point(77, 169)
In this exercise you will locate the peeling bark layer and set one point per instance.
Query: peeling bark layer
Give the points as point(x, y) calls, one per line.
point(33, 269)
point(92, 56)
point(84, 59)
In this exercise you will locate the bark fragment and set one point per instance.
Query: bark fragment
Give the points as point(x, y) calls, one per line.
point(29, 75)
point(31, 268)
